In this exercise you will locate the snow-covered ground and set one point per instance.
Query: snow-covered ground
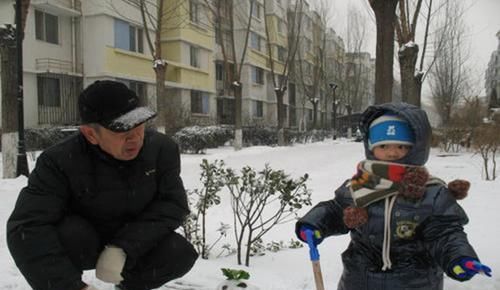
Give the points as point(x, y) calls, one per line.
point(328, 164)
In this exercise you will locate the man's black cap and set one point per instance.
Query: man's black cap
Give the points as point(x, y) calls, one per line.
point(112, 105)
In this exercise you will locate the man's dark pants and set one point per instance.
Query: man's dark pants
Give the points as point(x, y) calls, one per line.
point(171, 258)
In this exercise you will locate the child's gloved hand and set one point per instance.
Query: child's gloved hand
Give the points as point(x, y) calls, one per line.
point(316, 234)
point(412, 185)
point(466, 268)
point(459, 188)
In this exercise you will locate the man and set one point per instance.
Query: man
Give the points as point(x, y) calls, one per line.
point(108, 198)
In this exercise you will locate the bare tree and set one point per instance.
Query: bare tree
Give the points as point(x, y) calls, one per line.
point(230, 17)
point(408, 51)
point(385, 16)
point(280, 67)
point(155, 16)
point(355, 72)
point(450, 79)
point(409, 14)
point(9, 68)
point(311, 66)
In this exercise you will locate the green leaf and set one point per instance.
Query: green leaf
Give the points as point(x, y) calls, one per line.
point(234, 274)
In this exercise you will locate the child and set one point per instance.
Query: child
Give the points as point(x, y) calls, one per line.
point(406, 227)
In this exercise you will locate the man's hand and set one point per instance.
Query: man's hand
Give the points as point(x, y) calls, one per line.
point(466, 268)
point(110, 264)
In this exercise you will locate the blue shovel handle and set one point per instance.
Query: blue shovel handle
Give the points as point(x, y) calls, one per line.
point(313, 250)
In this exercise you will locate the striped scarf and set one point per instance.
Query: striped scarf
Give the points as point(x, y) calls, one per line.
point(376, 180)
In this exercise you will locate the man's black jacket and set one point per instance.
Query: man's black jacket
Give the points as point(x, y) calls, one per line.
point(132, 204)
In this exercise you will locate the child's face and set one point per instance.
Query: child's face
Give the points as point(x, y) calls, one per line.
point(390, 152)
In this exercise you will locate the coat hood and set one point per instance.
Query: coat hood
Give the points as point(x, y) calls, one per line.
point(416, 118)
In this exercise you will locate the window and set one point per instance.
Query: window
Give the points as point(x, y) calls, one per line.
point(255, 41)
point(281, 53)
point(193, 56)
point(258, 110)
point(49, 91)
point(310, 114)
point(46, 27)
point(256, 9)
point(219, 71)
point(281, 26)
point(128, 37)
point(257, 75)
point(199, 102)
point(291, 95)
point(194, 15)
point(140, 89)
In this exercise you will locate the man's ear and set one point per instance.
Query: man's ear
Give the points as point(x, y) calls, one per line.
point(90, 134)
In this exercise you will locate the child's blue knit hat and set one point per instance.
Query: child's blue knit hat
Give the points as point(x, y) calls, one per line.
point(390, 129)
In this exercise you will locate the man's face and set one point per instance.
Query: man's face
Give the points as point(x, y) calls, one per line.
point(121, 145)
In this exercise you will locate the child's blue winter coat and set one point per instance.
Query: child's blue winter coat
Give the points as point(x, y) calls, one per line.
point(427, 235)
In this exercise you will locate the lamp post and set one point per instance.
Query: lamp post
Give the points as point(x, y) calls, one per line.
point(22, 162)
point(334, 86)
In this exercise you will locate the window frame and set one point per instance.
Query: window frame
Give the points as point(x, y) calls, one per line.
point(258, 109)
point(42, 27)
point(200, 102)
point(132, 40)
point(51, 99)
point(257, 75)
point(194, 56)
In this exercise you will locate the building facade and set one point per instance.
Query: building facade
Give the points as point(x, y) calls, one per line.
point(69, 44)
point(492, 77)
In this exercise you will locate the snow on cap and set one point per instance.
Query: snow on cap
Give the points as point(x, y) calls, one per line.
point(112, 105)
point(390, 129)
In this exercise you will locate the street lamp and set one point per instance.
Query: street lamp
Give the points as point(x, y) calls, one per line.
point(334, 86)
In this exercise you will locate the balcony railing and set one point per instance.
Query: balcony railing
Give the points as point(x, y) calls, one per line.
point(60, 7)
point(57, 66)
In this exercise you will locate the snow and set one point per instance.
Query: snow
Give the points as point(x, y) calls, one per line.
point(328, 164)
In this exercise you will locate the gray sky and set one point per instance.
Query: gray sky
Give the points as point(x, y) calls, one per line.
point(482, 19)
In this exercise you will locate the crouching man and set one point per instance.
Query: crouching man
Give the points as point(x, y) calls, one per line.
point(108, 198)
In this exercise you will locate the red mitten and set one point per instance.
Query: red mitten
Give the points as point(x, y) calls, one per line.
point(459, 188)
point(355, 216)
point(412, 185)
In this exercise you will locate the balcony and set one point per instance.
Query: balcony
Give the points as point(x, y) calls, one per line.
point(53, 65)
point(70, 8)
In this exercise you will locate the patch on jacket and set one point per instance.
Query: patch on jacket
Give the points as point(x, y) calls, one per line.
point(406, 229)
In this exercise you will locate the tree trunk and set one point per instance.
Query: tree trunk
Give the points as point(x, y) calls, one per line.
point(238, 132)
point(8, 56)
point(315, 115)
point(161, 104)
point(385, 15)
point(409, 81)
point(281, 120)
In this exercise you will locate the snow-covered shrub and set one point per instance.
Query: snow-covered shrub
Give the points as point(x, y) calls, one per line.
point(197, 139)
point(253, 136)
point(42, 138)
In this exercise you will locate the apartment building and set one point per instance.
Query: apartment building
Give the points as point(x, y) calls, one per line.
point(188, 41)
point(53, 71)
point(492, 77)
point(71, 43)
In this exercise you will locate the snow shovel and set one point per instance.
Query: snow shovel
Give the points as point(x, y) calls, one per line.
point(314, 255)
